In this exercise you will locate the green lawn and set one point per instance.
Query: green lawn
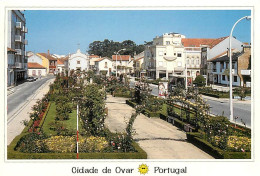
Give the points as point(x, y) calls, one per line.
point(70, 124)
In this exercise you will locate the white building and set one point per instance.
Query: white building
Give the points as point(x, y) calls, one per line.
point(139, 65)
point(92, 60)
point(17, 63)
point(241, 68)
point(104, 66)
point(164, 58)
point(215, 50)
point(35, 59)
point(78, 61)
point(36, 70)
point(123, 64)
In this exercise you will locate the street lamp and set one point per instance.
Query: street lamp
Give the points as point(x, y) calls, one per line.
point(116, 57)
point(230, 68)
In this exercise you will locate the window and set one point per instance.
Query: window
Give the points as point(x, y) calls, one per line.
point(168, 42)
point(188, 61)
point(174, 54)
point(223, 77)
point(179, 64)
point(78, 62)
point(197, 62)
point(179, 55)
point(160, 53)
point(192, 61)
point(105, 64)
point(235, 78)
point(188, 73)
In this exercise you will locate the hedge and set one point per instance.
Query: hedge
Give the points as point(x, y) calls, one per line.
point(195, 139)
point(140, 154)
point(121, 95)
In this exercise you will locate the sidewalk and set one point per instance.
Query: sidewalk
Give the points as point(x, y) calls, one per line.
point(14, 123)
point(158, 138)
point(226, 100)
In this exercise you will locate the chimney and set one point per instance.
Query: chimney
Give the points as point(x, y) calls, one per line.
point(48, 52)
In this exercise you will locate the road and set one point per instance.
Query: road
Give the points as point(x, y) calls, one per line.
point(22, 94)
point(242, 110)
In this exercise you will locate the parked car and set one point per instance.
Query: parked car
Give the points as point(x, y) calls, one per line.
point(31, 79)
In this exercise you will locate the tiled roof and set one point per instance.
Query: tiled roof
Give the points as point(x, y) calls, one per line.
point(93, 56)
point(60, 62)
point(10, 49)
point(121, 57)
point(226, 57)
point(139, 58)
point(34, 65)
point(47, 56)
point(102, 58)
point(197, 42)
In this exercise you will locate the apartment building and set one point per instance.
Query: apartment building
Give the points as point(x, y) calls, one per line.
point(16, 42)
point(241, 68)
point(123, 64)
point(165, 57)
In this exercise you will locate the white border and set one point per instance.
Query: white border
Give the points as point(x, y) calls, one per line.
point(59, 165)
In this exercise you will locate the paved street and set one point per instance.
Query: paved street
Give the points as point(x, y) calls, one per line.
point(22, 93)
point(15, 118)
point(159, 139)
point(242, 109)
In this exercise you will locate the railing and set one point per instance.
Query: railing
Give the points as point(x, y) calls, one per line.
point(18, 38)
point(18, 65)
point(18, 51)
point(25, 29)
point(18, 25)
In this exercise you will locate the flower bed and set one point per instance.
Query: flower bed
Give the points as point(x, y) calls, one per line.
point(197, 139)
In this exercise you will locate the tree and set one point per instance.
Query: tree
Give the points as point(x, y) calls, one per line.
point(200, 80)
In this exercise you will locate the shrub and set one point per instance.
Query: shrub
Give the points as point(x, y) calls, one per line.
point(200, 80)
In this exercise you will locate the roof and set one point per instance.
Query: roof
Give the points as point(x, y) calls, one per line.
point(10, 50)
point(226, 57)
point(221, 54)
point(139, 58)
point(121, 57)
point(35, 65)
point(197, 42)
point(47, 56)
point(94, 56)
point(102, 58)
point(60, 62)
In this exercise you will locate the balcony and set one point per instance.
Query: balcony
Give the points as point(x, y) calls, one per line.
point(18, 38)
point(18, 52)
point(18, 25)
point(26, 42)
point(18, 65)
point(25, 29)
point(246, 72)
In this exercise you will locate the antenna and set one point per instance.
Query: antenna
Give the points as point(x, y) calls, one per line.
point(78, 45)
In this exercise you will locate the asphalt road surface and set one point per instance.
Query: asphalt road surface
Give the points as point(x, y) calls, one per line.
point(22, 94)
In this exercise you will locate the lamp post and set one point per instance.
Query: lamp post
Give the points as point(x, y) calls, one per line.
point(116, 57)
point(230, 68)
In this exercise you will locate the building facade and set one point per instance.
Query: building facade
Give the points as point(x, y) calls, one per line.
point(241, 68)
point(165, 57)
point(139, 65)
point(122, 64)
point(104, 66)
point(78, 61)
point(36, 70)
point(17, 62)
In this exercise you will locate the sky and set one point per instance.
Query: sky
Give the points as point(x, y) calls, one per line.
point(61, 31)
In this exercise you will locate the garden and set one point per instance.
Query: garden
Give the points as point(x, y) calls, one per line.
point(52, 131)
point(189, 111)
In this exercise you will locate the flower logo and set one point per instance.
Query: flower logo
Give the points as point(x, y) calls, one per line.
point(143, 169)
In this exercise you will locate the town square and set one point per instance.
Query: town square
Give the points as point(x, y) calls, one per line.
point(166, 95)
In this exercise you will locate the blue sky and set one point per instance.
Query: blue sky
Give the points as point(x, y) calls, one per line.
point(61, 31)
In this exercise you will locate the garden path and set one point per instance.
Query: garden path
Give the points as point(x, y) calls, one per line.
point(158, 138)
